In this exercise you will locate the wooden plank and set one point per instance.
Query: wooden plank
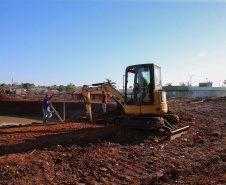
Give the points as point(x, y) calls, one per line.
point(55, 112)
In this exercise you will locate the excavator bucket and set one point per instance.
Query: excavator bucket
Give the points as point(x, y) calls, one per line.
point(174, 132)
point(178, 132)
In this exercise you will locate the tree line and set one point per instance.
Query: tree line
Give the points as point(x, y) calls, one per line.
point(10, 88)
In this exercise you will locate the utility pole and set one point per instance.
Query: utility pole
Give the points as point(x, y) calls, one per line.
point(190, 79)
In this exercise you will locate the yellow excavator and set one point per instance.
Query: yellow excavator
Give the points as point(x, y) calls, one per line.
point(143, 101)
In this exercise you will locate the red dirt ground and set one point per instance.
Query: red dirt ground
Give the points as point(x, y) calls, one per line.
point(4, 97)
point(81, 153)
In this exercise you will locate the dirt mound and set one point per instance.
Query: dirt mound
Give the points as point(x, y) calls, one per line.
point(4, 97)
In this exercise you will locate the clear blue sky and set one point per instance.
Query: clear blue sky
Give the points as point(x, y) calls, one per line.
point(84, 42)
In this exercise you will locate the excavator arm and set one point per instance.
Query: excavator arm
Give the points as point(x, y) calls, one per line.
point(86, 90)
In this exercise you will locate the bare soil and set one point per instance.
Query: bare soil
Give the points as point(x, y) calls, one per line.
point(4, 97)
point(83, 153)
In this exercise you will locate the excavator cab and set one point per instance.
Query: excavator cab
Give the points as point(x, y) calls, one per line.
point(143, 90)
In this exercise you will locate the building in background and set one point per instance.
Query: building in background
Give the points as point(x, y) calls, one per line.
point(94, 96)
point(203, 90)
point(20, 91)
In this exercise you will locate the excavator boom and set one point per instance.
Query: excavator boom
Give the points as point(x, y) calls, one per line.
point(86, 90)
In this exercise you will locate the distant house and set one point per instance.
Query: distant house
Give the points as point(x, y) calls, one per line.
point(94, 96)
point(54, 88)
point(97, 95)
point(20, 91)
point(36, 89)
point(77, 95)
point(53, 91)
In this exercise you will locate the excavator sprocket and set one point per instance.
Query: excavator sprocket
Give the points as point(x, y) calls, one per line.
point(172, 118)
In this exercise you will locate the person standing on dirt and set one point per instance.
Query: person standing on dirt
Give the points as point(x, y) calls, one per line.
point(45, 108)
point(104, 101)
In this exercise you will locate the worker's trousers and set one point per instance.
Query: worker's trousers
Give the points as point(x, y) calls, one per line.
point(104, 107)
point(46, 114)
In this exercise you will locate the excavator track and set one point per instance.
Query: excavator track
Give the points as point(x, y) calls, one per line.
point(166, 122)
point(140, 122)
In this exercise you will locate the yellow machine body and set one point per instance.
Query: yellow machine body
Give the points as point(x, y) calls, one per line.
point(159, 106)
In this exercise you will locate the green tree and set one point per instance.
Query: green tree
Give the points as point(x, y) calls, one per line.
point(182, 84)
point(169, 84)
point(79, 88)
point(28, 86)
point(61, 88)
point(8, 92)
point(71, 87)
point(2, 87)
point(113, 84)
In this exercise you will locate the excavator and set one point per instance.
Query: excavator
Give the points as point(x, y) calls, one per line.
point(143, 102)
